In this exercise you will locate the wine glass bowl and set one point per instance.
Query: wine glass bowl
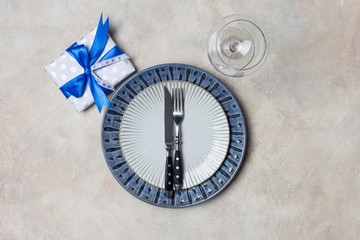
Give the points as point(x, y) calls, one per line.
point(236, 47)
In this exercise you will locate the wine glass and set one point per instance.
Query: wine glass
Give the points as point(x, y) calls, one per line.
point(236, 47)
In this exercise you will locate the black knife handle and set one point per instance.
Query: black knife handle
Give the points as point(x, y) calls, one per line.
point(169, 177)
point(178, 177)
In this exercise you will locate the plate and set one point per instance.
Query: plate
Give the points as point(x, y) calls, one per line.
point(120, 168)
point(204, 134)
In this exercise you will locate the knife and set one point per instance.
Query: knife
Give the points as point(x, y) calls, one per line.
point(168, 124)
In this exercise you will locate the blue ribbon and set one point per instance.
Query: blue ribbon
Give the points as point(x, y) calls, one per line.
point(76, 86)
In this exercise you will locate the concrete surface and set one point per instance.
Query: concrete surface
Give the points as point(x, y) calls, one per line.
point(301, 177)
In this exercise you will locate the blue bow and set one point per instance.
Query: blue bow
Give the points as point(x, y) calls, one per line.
point(76, 86)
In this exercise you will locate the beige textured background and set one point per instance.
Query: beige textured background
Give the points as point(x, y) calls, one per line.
point(301, 176)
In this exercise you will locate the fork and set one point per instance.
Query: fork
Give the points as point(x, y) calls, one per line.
point(178, 115)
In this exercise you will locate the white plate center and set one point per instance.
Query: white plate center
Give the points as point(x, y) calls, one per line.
point(205, 134)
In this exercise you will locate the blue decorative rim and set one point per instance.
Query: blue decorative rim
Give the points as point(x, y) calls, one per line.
point(150, 193)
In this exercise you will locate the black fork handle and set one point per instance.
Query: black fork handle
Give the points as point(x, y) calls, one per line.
point(178, 182)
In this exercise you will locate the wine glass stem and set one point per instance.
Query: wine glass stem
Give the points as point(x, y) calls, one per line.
point(233, 46)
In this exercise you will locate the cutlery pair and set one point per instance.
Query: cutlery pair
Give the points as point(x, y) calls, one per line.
point(173, 113)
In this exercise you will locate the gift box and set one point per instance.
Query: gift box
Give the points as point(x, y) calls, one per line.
point(90, 69)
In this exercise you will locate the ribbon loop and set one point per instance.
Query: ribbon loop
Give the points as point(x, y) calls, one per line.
point(98, 87)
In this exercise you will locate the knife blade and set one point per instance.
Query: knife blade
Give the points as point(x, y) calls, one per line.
point(168, 127)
